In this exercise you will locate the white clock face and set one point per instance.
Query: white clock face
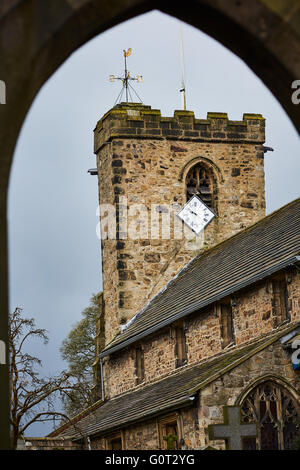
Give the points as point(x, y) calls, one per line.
point(196, 215)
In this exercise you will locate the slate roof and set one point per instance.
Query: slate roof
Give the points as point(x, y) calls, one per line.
point(173, 392)
point(271, 244)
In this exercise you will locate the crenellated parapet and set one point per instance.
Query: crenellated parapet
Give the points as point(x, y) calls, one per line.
point(131, 120)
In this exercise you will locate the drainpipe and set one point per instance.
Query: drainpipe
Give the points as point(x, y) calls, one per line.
point(102, 380)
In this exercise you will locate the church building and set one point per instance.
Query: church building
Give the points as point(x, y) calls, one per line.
point(198, 335)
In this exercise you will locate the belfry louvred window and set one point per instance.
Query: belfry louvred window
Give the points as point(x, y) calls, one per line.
point(200, 182)
point(277, 414)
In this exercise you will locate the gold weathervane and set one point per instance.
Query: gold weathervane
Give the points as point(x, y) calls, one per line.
point(126, 80)
point(127, 54)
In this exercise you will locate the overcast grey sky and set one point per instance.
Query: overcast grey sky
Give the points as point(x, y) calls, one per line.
point(55, 263)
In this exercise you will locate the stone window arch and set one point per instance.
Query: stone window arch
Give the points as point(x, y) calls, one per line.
point(277, 414)
point(200, 181)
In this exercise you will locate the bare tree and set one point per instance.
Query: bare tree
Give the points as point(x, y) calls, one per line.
point(32, 398)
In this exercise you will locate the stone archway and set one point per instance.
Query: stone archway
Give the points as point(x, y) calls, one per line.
point(37, 36)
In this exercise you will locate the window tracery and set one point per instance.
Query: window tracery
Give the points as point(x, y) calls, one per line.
point(200, 182)
point(277, 415)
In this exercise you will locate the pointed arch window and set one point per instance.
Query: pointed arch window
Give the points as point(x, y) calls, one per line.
point(200, 182)
point(277, 414)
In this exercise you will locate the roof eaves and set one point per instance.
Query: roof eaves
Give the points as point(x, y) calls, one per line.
point(182, 402)
point(72, 421)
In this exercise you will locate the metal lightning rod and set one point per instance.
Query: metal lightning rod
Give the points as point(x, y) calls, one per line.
point(182, 90)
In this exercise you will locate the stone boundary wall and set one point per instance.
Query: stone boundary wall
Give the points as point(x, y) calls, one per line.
point(47, 443)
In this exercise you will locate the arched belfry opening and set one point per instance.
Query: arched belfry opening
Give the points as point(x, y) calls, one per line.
point(200, 181)
point(276, 413)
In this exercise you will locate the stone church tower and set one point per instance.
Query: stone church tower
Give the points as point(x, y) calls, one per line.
point(148, 167)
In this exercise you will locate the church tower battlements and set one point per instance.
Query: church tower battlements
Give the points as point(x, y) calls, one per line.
point(148, 167)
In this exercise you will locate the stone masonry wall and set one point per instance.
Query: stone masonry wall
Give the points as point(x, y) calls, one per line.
point(254, 312)
point(143, 158)
point(141, 434)
point(203, 335)
point(159, 361)
point(252, 315)
point(48, 443)
point(119, 373)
